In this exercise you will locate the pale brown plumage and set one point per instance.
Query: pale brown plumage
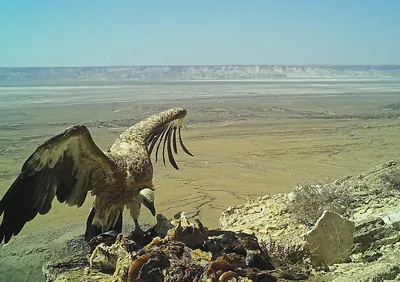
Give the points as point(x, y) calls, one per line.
point(70, 164)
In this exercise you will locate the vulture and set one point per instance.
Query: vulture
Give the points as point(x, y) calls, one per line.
point(69, 165)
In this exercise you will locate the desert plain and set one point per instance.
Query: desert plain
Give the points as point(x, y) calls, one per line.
point(249, 138)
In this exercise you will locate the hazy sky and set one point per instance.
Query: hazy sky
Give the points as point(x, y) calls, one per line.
point(168, 32)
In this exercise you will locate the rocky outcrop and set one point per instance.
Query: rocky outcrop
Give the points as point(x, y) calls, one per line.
point(347, 230)
point(187, 252)
point(356, 235)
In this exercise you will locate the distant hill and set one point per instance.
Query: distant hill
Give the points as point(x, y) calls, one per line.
point(215, 72)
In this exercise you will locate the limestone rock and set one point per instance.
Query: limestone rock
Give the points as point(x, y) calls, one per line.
point(364, 273)
point(368, 231)
point(80, 275)
point(268, 218)
point(331, 239)
point(367, 256)
point(52, 270)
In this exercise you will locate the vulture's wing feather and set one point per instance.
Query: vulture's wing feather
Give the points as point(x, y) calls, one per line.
point(66, 166)
point(168, 138)
point(182, 145)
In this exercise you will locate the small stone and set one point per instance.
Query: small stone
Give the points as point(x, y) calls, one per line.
point(291, 196)
point(396, 225)
point(363, 210)
point(280, 232)
point(248, 231)
point(387, 241)
point(263, 198)
point(371, 256)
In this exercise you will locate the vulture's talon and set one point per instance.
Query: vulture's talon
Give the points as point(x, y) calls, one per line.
point(137, 233)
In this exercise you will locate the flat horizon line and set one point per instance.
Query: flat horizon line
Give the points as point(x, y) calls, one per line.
point(215, 65)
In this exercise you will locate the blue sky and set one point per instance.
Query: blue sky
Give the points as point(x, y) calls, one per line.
point(169, 32)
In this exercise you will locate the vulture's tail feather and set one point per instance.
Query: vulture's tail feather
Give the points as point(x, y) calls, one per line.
point(93, 230)
point(118, 224)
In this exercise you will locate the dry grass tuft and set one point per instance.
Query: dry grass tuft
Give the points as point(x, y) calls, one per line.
point(293, 260)
point(390, 183)
point(311, 200)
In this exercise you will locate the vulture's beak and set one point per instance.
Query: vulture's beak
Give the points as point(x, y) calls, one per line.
point(150, 206)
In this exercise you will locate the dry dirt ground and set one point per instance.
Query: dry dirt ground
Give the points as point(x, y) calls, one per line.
point(249, 138)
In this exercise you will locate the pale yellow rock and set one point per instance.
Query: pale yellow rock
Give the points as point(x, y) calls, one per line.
point(265, 197)
point(387, 241)
point(201, 257)
point(80, 276)
point(331, 239)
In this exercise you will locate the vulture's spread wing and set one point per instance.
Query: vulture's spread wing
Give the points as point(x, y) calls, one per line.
point(167, 135)
point(66, 166)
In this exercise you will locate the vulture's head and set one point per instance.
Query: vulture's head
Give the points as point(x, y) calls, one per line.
point(146, 197)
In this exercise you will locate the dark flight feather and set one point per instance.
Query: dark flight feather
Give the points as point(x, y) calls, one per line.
point(170, 155)
point(161, 138)
point(154, 139)
point(165, 141)
point(174, 141)
point(181, 142)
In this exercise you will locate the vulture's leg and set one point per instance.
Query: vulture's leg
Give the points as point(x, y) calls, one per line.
point(134, 210)
point(137, 231)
